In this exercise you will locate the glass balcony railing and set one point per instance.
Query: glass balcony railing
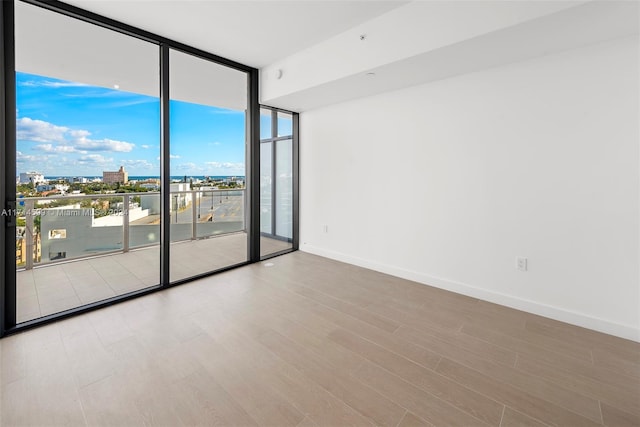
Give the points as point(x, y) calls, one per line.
point(54, 229)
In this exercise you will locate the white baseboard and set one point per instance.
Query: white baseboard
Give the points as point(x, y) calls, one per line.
point(556, 313)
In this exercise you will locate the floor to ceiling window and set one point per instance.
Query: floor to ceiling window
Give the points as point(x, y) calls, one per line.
point(87, 169)
point(278, 151)
point(207, 165)
point(131, 163)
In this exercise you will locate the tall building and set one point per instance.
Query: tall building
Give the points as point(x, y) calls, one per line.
point(32, 177)
point(121, 176)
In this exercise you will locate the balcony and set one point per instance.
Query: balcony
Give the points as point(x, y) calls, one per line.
point(87, 248)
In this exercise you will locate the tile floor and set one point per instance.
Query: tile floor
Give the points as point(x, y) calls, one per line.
point(57, 287)
point(308, 341)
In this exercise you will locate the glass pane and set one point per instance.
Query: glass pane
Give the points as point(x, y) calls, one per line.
point(266, 195)
point(87, 144)
point(284, 188)
point(265, 123)
point(276, 196)
point(208, 121)
point(144, 219)
point(285, 124)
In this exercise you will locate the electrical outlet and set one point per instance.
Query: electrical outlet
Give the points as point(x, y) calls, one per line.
point(521, 263)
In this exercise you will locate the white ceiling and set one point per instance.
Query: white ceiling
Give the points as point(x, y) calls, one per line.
point(255, 33)
point(319, 76)
point(55, 45)
point(315, 43)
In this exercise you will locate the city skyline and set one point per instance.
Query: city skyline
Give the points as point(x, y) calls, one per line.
point(72, 129)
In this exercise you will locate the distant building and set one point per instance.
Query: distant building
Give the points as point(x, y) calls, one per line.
point(44, 187)
point(180, 195)
point(61, 188)
point(32, 178)
point(150, 184)
point(119, 177)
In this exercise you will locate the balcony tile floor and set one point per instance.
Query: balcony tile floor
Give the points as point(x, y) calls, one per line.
point(57, 287)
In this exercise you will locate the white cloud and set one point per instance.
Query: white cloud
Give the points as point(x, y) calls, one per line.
point(39, 131)
point(20, 157)
point(225, 165)
point(174, 156)
point(94, 159)
point(79, 133)
point(225, 111)
point(138, 164)
point(28, 158)
point(71, 140)
point(188, 167)
point(145, 146)
point(103, 145)
point(50, 148)
point(49, 83)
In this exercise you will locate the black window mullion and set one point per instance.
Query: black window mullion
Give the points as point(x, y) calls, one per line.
point(274, 135)
point(165, 178)
point(8, 157)
point(296, 180)
point(253, 172)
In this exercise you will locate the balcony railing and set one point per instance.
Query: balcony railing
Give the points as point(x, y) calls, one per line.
point(61, 228)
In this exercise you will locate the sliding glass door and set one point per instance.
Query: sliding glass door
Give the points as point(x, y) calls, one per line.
point(86, 161)
point(208, 112)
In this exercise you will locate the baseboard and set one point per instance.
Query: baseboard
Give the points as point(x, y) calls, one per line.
point(556, 313)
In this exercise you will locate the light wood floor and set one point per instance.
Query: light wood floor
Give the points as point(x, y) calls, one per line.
point(312, 342)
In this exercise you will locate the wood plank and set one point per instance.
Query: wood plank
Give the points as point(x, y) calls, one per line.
point(537, 386)
point(255, 397)
point(423, 404)
point(614, 417)
point(200, 400)
point(418, 321)
point(411, 420)
point(347, 308)
point(383, 338)
point(466, 400)
point(453, 345)
point(365, 400)
point(516, 330)
point(623, 348)
point(513, 418)
point(617, 396)
point(521, 345)
point(284, 379)
point(307, 422)
point(512, 396)
point(582, 368)
point(629, 366)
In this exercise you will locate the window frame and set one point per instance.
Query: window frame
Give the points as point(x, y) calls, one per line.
point(273, 139)
point(8, 289)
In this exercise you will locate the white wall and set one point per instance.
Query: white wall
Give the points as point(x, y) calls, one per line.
point(446, 183)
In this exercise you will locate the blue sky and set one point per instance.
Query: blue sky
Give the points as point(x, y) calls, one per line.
point(71, 129)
